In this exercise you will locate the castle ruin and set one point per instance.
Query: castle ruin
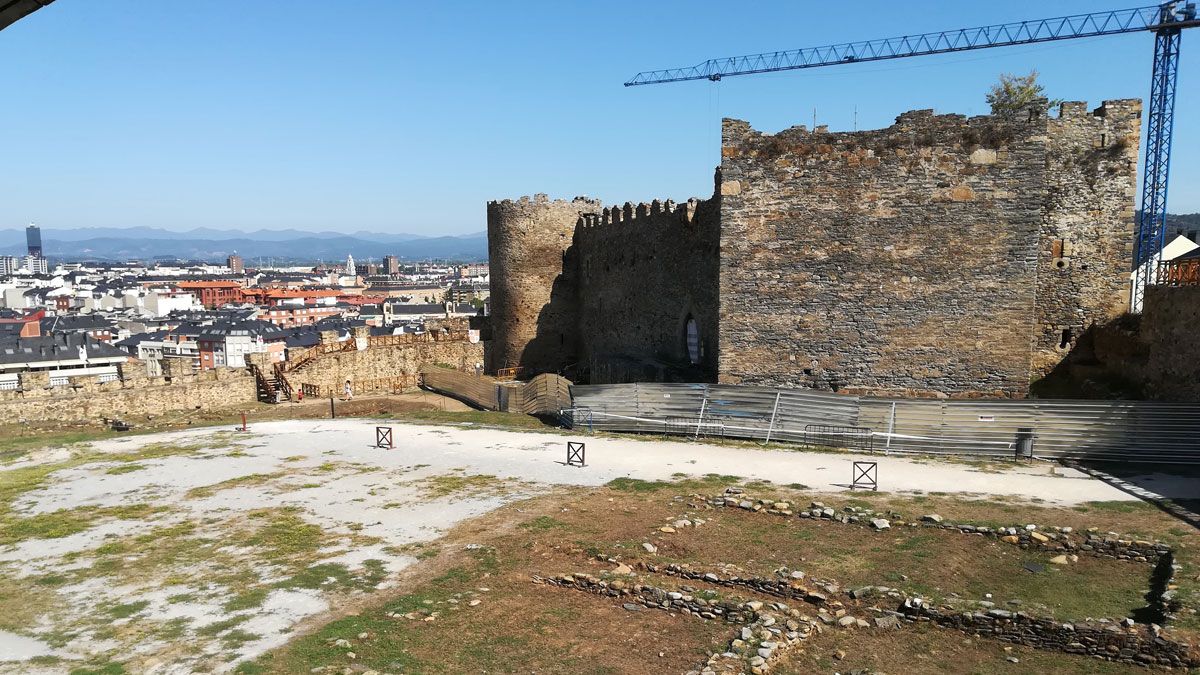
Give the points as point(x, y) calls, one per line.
point(943, 255)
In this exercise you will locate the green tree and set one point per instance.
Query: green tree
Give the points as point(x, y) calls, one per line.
point(1014, 92)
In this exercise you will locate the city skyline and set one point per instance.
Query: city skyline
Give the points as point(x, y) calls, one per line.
point(284, 117)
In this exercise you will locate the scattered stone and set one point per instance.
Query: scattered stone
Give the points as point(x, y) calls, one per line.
point(931, 518)
point(839, 655)
point(888, 621)
point(623, 570)
point(1059, 560)
point(880, 524)
point(632, 607)
point(667, 529)
point(847, 621)
point(650, 548)
point(474, 603)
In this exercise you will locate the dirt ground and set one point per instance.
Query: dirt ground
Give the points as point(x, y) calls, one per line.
point(301, 546)
point(521, 626)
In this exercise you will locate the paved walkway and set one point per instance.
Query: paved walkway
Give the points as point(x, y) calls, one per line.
point(541, 457)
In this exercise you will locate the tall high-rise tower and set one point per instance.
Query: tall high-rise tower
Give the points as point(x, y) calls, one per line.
point(33, 239)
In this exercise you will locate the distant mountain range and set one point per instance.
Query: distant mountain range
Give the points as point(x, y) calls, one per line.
point(149, 243)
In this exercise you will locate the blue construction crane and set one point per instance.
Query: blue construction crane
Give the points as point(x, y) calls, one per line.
point(1167, 21)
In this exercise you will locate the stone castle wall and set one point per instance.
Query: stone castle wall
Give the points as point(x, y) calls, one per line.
point(603, 291)
point(940, 256)
point(1171, 369)
point(388, 363)
point(534, 319)
point(135, 397)
point(906, 260)
point(1086, 247)
point(644, 271)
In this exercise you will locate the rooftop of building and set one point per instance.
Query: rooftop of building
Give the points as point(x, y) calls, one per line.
point(49, 348)
point(244, 328)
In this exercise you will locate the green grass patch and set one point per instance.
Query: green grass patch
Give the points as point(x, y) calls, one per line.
point(241, 481)
point(125, 468)
point(246, 600)
point(128, 609)
point(219, 627)
point(285, 533)
point(544, 523)
point(109, 668)
point(460, 484)
point(66, 522)
point(707, 482)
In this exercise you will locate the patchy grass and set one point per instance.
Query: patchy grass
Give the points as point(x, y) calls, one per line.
point(248, 599)
point(125, 468)
point(710, 481)
point(127, 610)
point(460, 485)
point(335, 576)
point(284, 533)
point(250, 480)
point(106, 668)
point(544, 523)
point(16, 442)
point(66, 522)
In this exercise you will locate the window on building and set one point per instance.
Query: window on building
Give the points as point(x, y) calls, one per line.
point(692, 337)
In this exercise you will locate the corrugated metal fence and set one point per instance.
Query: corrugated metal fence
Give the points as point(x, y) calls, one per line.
point(1061, 429)
point(545, 394)
point(482, 392)
point(710, 410)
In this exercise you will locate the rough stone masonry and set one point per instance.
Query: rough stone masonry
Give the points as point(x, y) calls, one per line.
point(941, 256)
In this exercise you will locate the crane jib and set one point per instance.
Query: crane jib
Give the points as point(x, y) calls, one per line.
point(1166, 21)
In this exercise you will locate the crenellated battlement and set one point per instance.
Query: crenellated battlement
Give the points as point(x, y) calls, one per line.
point(542, 199)
point(657, 212)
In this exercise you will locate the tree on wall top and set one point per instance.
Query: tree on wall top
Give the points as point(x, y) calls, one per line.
point(1015, 92)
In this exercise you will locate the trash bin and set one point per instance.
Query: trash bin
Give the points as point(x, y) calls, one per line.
point(1024, 443)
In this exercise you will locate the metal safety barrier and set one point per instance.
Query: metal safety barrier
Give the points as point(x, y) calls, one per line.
point(1141, 431)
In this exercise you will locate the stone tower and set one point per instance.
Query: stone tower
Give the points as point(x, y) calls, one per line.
point(534, 313)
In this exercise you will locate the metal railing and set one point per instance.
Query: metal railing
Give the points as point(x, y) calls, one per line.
point(1179, 273)
point(1142, 431)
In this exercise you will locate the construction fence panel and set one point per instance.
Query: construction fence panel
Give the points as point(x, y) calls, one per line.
point(1142, 431)
point(545, 394)
point(710, 410)
point(1139, 431)
point(473, 389)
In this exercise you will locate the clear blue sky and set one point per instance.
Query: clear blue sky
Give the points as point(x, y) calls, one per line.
point(397, 116)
